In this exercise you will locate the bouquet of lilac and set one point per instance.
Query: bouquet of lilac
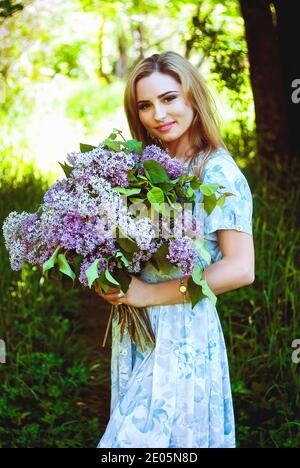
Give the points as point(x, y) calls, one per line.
point(94, 225)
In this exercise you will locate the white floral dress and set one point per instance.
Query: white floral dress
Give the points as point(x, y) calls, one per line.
point(178, 394)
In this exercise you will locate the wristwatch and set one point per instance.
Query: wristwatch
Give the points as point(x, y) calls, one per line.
point(183, 290)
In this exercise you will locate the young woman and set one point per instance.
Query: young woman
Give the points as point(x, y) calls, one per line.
point(178, 394)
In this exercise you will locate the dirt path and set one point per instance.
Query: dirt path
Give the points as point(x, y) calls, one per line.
point(95, 314)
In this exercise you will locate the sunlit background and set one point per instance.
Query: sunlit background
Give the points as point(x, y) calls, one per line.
point(57, 96)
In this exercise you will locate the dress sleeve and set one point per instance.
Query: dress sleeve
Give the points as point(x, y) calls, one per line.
point(237, 210)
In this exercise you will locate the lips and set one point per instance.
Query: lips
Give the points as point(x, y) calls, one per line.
point(165, 126)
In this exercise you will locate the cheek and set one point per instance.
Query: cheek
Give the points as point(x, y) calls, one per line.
point(181, 109)
point(188, 112)
point(143, 118)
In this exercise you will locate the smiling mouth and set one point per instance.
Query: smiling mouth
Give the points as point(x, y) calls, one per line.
point(165, 126)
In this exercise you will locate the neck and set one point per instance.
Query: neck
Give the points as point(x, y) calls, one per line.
point(180, 149)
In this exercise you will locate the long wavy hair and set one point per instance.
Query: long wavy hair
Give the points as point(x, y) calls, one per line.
point(204, 131)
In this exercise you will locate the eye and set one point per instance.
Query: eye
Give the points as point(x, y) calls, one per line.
point(171, 98)
point(168, 98)
point(142, 106)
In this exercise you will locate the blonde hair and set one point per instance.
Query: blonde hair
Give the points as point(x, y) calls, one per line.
point(204, 131)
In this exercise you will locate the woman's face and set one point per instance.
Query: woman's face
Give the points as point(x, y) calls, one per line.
point(160, 100)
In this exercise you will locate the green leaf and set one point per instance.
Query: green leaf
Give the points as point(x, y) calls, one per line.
point(127, 191)
point(64, 266)
point(221, 200)
point(77, 260)
point(134, 145)
point(159, 257)
point(176, 206)
point(92, 272)
point(113, 136)
point(209, 203)
point(115, 133)
point(209, 189)
point(51, 261)
point(195, 292)
point(190, 192)
point(127, 244)
point(123, 258)
point(156, 195)
point(66, 168)
point(111, 144)
point(208, 292)
point(197, 278)
point(195, 183)
point(155, 172)
point(123, 278)
point(166, 187)
point(197, 273)
point(199, 245)
point(142, 177)
point(136, 200)
point(84, 148)
point(110, 278)
point(102, 283)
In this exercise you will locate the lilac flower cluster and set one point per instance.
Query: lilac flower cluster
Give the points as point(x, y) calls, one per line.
point(78, 216)
point(183, 254)
point(173, 167)
point(81, 213)
point(135, 265)
point(111, 165)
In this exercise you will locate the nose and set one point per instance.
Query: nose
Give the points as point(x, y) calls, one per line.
point(159, 113)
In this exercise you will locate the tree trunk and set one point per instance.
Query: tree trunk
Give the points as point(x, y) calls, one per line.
point(121, 66)
point(267, 85)
point(102, 74)
point(288, 15)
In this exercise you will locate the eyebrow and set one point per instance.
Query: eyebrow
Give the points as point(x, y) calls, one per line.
point(160, 96)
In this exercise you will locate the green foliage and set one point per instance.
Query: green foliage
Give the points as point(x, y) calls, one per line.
point(94, 101)
point(9, 7)
point(66, 59)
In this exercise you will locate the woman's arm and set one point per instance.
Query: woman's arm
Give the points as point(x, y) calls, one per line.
point(235, 270)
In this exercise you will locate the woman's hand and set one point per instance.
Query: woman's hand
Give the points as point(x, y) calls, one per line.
point(139, 294)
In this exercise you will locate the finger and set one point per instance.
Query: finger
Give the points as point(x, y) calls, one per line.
point(113, 290)
point(111, 297)
point(110, 291)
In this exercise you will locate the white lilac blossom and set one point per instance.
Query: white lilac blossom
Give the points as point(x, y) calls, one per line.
point(111, 204)
point(111, 165)
point(13, 241)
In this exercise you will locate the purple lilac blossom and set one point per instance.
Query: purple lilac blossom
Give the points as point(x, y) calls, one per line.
point(183, 254)
point(173, 167)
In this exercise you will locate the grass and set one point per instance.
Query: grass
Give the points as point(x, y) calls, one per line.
point(261, 321)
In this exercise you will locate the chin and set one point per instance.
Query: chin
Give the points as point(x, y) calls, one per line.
point(172, 136)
